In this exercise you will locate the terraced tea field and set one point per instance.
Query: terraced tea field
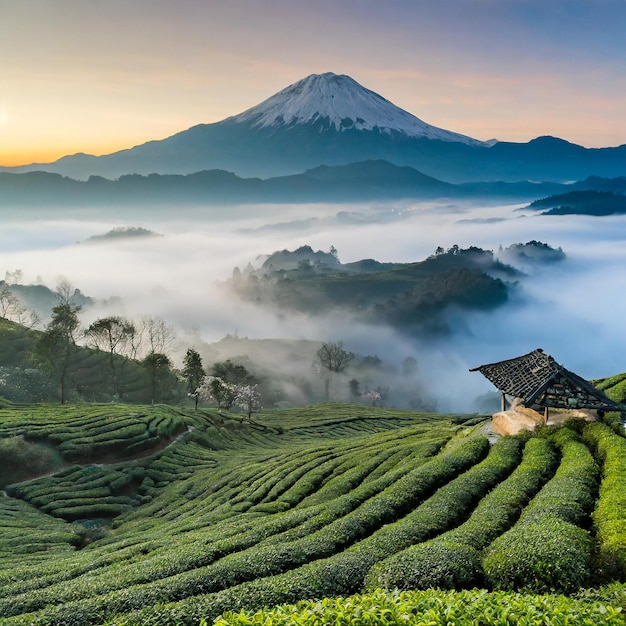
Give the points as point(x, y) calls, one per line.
point(159, 515)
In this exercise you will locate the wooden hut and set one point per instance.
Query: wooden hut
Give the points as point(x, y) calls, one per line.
point(538, 382)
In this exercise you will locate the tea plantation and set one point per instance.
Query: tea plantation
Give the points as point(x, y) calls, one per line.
point(334, 513)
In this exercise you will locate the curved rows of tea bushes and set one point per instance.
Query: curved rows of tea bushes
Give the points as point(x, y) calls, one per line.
point(258, 560)
point(194, 494)
point(453, 559)
point(609, 517)
point(235, 515)
point(93, 431)
point(219, 540)
point(31, 536)
point(345, 571)
point(548, 548)
point(78, 492)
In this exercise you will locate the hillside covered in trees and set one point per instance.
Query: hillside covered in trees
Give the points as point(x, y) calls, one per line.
point(583, 202)
point(408, 296)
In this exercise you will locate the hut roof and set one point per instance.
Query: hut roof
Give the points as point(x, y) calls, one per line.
point(536, 378)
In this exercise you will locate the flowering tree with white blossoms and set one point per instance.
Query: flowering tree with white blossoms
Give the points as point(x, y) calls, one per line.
point(373, 398)
point(214, 389)
point(249, 399)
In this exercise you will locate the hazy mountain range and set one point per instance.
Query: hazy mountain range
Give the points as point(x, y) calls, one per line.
point(362, 181)
point(329, 119)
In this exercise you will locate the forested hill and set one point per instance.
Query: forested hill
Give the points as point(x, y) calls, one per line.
point(588, 202)
point(410, 296)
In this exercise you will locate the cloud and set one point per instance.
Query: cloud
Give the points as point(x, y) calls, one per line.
point(574, 310)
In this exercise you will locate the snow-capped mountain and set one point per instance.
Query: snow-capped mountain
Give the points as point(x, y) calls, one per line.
point(329, 119)
point(339, 102)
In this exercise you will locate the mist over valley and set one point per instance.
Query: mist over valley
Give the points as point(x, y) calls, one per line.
point(183, 275)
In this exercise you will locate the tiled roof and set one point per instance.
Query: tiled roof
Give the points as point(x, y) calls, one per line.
point(537, 378)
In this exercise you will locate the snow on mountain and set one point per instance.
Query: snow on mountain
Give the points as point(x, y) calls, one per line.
point(339, 101)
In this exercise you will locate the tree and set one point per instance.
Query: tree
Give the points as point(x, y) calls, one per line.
point(410, 366)
point(158, 367)
point(248, 398)
point(193, 371)
point(9, 302)
point(153, 336)
point(334, 359)
point(57, 344)
point(11, 308)
point(373, 397)
point(65, 292)
point(113, 334)
point(355, 388)
point(233, 373)
point(214, 389)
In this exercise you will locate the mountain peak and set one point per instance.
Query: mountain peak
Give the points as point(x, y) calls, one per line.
point(337, 102)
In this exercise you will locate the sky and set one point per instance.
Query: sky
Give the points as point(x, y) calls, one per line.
point(96, 77)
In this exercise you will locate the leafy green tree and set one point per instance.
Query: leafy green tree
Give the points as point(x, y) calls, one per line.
point(162, 380)
point(233, 373)
point(56, 347)
point(113, 334)
point(334, 359)
point(193, 370)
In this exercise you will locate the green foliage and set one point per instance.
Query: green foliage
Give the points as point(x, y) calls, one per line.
point(299, 504)
point(233, 373)
point(22, 459)
point(28, 536)
point(56, 347)
point(27, 373)
point(453, 560)
point(608, 517)
point(408, 294)
point(193, 370)
point(547, 550)
point(434, 608)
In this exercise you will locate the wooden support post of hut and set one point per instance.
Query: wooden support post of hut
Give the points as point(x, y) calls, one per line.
point(537, 381)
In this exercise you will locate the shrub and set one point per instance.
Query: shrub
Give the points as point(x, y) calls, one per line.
point(438, 563)
point(452, 560)
point(609, 516)
point(545, 550)
point(549, 555)
point(434, 608)
point(22, 459)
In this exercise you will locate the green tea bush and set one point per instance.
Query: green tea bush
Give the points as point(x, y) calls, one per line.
point(433, 608)
point(453, 560)
point(609, 516)
point(546, 550)
point(343, 571)
point(439, 563)
point(549, 555)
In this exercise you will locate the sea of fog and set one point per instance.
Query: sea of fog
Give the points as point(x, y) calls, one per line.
point(574, 310)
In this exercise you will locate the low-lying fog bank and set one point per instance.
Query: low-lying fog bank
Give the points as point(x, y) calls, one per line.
point(574, 310)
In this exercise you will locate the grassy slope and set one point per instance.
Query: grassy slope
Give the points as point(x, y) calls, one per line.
point(230, 514)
